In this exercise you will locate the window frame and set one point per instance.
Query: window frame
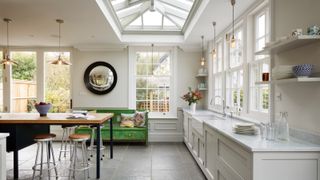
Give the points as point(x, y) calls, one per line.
point(132, 80)
point(259, 113)
point(248, 25)
point(40, 73)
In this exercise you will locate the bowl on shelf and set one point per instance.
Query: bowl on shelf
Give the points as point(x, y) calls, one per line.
point(302, 70)
point(42, 108)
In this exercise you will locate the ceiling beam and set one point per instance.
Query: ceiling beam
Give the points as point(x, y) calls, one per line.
point(172, 10)
point(133, 10)
point(185, 6)
point(165, 15)
point(128, 4)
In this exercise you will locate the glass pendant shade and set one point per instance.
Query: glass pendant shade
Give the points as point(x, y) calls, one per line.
point(60, 60)
point(233, 42)
point(6, 55)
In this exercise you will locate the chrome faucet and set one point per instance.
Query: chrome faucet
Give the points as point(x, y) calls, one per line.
point(224, 114)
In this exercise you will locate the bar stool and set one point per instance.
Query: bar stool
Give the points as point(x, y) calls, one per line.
point(65, 141)
point(44, 139)
point(92, 148)
point(79, 139)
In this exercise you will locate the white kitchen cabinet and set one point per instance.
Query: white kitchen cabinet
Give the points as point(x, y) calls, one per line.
point(210, 161)
point(226, 159)
point(185, 127)
point(201, 151)
point(190, 134)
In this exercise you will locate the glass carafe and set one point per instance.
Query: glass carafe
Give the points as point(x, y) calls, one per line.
point(283, 127)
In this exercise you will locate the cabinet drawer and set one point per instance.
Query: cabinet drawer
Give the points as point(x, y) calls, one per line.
point(234, 157)
point(129, 135)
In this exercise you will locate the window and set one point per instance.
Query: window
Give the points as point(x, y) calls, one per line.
point(152, 87)
point(57, 82)
point(1, 85)
point(235, 54)
point(259, 94)
point(153, 81)
point(234, 82)
point(24, 91)
point(218, 75)
point(235, 89)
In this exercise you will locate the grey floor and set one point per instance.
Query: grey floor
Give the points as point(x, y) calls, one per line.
point(157, 161)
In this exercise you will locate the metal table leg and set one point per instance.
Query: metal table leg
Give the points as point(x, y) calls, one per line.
point(111, 139)
point(98, 151)
point(15, 164)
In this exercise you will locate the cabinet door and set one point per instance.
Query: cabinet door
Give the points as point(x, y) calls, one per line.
point(201, 151)
point(185, 127)
point(195, 144)
point(210, 138)
point(190, 136)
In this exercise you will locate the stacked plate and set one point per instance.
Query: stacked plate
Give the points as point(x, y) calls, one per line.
point(282, 72)
point(245, 128)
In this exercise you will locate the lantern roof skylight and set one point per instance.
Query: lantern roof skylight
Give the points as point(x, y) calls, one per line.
point(152, 15)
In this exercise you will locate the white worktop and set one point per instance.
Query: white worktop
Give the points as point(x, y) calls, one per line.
point(254, 142)
point(3, 135)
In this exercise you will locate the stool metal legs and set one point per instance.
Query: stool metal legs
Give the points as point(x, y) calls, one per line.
point(65, 141)
point(93, 147)
point(50, 154)
point(84, 166)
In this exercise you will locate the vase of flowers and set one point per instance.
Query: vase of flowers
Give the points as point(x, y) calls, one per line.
point(192, 97)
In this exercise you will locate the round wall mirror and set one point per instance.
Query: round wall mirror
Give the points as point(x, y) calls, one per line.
point(100, 78)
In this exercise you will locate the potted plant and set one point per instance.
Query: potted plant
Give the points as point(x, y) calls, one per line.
point(192, 97)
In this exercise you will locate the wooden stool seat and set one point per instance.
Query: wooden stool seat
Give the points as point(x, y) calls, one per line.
point(79, 137)
point(44, 136)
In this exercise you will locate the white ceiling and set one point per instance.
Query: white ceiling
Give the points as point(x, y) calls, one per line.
point(34, 22)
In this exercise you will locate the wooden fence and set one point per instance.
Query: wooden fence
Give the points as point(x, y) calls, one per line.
point(24, 94)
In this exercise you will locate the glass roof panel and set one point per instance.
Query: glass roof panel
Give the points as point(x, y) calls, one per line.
point(137, 22)
point(152, 18)
point(167, 22)
point(153, 15)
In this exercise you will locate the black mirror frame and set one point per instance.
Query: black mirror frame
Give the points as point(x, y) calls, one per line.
point(87, 81)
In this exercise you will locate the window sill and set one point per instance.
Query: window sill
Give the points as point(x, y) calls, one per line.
point(154, 117)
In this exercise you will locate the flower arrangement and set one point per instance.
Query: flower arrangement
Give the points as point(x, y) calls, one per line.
point(192, 96)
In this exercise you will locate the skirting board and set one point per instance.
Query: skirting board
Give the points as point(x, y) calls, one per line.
point(165, 137)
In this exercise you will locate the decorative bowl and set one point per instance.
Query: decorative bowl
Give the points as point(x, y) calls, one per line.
point(43, 108)
point(302, 70)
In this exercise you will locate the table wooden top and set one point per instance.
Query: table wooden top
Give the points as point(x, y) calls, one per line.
point(53, 118)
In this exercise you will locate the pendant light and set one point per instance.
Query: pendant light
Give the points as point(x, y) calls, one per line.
point(60, 61)
point(6, 60)
point(214, 51)
point(202, 61)
point(233, 39)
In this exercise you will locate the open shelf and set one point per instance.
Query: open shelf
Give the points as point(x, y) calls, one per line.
point(262, 82)
point(290, 43)
point(291, 80)
point(201, 75)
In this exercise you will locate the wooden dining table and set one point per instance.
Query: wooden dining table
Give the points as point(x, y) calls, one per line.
point(18, 124)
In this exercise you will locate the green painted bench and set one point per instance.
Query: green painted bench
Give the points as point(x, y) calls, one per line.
point(120, 134)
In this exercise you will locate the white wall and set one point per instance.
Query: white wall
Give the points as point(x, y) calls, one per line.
point(300, 100)
point(188, 66)
point(159, 129)
point(82, 97)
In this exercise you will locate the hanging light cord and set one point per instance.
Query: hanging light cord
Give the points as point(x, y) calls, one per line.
point(8, 35)
point(214, 34)
point(59, 38)
point(233, 2)
point(202, 47)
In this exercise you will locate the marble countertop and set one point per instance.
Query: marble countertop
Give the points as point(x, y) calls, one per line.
point(255, 143)
point(3, 135)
